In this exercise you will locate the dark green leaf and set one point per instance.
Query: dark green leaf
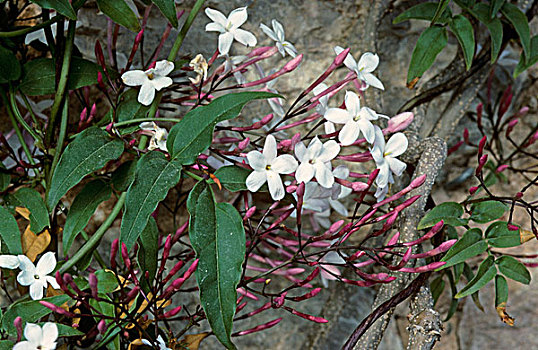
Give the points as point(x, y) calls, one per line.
point(61, 6)
point(465, 3)
point(449, 212)
point(194, 133)
point(31, 200)
point(124, 176)
point(155, 176)
point(218, 238)
point(40, 75)
point(458, 270)
point(454, 303)
point(10, 68)
point(513, 269)
point(498, 235)
point(470, 244)
point(486, 272)
point(107, 282)
point(233, 178)
point(521, 25)
point(501, 290)
point(487, 211)
point(82, 209)
point(437, 286)
point(168, 8)
point(88, 152)
point(441, 7)
point(481, 12)
point(147, 255)
point(120, 13)
point(494, 7)
point(9, 231)
point(29, 311)
point(522, 66)
point(425, 11)
point(129, 108)
point(6, 344)
point(476, 301)
point(64, 330)
point(430, 43)
point(463, 29)
point(5, 178)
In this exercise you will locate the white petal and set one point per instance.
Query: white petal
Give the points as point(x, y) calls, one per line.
point(36, 290)
point(319, 89)
point(372, 80)
point(353, 103)
point(216, 16)
point(214, 27)
point(275, 185)
point(280, 48)
point(25, 278)
point(341, 172)
point(146, 94)
point(381, 192)
point(33, 333)
point(396, 165)
point(255, 180)
point(324, 176)
point(269, 148)
point(314, 149)
point(368, 113)
point(225, 42)
point(339, 207)
point(290, 49)
point(9, 261)
point(330, 151)
point(349, 133)
point(24, 345)
point(338, 115)
point(379, 139)
point(344, 192)
point(268, 32)
point(46, 264)
point(382, 179)
point(256, 160)
point(238, 17)
point(164, 67)
point(314, 204)
point(300, 151)
point(396, 145)
point(349, 62)
point(50, 334)
point(284, 164)
point(279, 30)
point(329, 127)
point(148, 126)
point(367, 129)
point(368, 62)
point(161, 82)
point(305, 172)
point(26, 264)
point(244, 37)
point(134, 78)
point(52, 281)
point(377, 155)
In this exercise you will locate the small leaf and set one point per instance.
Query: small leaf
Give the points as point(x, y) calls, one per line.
point(486, 272)
point(501, 290)
point(124, 176)
point(425, 11)
point(9, 231)
point(6, 345)
point(29, 311)
point(495, 28)
point(10, 68)
point(82, 209)
point(233, 178)
point(129, 108)
point(498, 235)
point(61, 6)
point(470, 244)
point(107, 282)
point(465, 3)
point(524, 62)
point(430, 43)
point(148, 253)
point(119, 12)
point(192, 341)
point(440, 10)
point(463, 29)
point(437, 286)
point(513, 269)
point(5, 178)
point(31, 200)
point(194, 133)
point(449, 212)
point(155, 176)
point(521, 25)
point(168, 8)
point(33, 245)
point(88, 152)
point(494, 7)
point(487, 211)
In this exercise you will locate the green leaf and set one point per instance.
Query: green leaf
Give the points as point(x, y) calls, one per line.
point(463, 30)
point(430, 43)
point(148, 253)
point(521, 25)
point(218, 238)
point(129, 108)
point(469, 245)
point(494, 7)
point(168, 8)
point(498, 235)
point(425, 11)
point(486, 272)
point(487, 211)
point(155, 176)
point(124, 176)
point(501, 290)
point(495, 28)
point(61, 6)
point(437, 286)
point(31, 200)
point(40, 75)
point(88, 152)
point(5, 178)
point(513, 269)
point(465, 3)
point(120, 13)
point(29, 311)
point(10, 68)
point(82, 209)
point(6, 344)
point(194, 133)
point(233, 178)
point(9, 231)
point(440, 10)
point(449, 212)
point(107, 282)
point(522, 66)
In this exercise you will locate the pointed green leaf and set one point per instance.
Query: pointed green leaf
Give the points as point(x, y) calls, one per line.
point(430, 43)
point(501, 290)
point(88, 152)
point(194, 133)
point(148, 253)
point(425, 11)
point(513, 269)
point(469, 245)
point(168, 8)
point(31, 200)
point(82, 209)
point(437, 286)
point(9, 231)
point(449, 212)
point(486, 272)
point(498, 235)
point(6, 345)
point(5, 178)
point(10, 68)
point(218, 238)
point(129, 108)
point(124, 176)
point(463, 30)
point(524, 62)
point(440, 10)
point(119, 12)
point(61, 6)
point(487, 211)
point(521, 25)
point(155, 176)
point(29, 311)
point(234, 178)
point(495, 28)
point(494, 7)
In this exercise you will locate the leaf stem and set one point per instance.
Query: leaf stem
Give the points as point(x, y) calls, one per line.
point(61, 138)
point(20, 119)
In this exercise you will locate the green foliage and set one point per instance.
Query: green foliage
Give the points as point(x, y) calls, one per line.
point(524, 62)
point(124, 176)
point(168, 8)
point(494, 7)
point(120, 13)
point(437, 286)
point(513, 269)
point(107, 282)
point(521, 25)
point(487, 211)
point(430, 43)
point(5, 179)
point(215, 230)
point(31, 200)
point(6, 344)
point(29, 311)
point(425, 11)
point(10, 68)
point(90, 151)
point(501, 290)
point(486, 272)
point(129, 108)
point(148, 253)
point(61, 6)
point(463, 29)
point(470, 244)
point(495, 28)
point(233, 178)
point(441, 7)
point(498, 235)
point(449, 212)
point(9, 231)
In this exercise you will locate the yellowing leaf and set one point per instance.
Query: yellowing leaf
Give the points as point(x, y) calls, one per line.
point(32, 244)
point(192, 341)
point(501, 311)
point(22, 211)
point(525, 236)
point(160, 303)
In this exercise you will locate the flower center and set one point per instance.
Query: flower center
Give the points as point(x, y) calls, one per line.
point(151, 76)
point(267, 167)
point(312, 161)
point(229, 25)
point(357, 117)
point(36, 277)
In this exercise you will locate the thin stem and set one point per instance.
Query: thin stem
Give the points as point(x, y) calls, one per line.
point(96, 254)
point(141, 120)
point(30, 110)
point(61, 138)
point(27, 30)
point(21, 120)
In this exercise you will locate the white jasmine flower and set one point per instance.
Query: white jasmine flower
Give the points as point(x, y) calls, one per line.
point(37, 276)
point(330, 272)
point(38, 338)
point(160, 341)
point(268, 167)
point(323, 106)
point(199, 66)
point(385, 157)
point(158, 137)
point(8, 261)
point(314, 198)
point(150, 80)
point(367, 64)
point(338, 191)
point(316, 161)
point(355, 120)
point(276, 104)
point(229, 28)
point(381, 192)
point(277, 34)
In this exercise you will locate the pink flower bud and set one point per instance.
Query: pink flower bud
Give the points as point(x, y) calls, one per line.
point(243, 144)
point(502, 168)
point(506, 99)
point(259, 51)
point(455, 147)
point(473, 189)
point(443, 247)
point(83, 114)
point(125, 256)
point(132, 294)
point(109, 127)
point(139, 36)
point(523, 110)
point(519, 195)
point(400, 121)
point(174, 270)
point(336, 226)
point(432, 232)
point(481, 163)
point(481, 145)
point(512, 227)
point(310, 277)
point(259, 328)
point(308, 295)
point(466, 136)
point(113, 252)
point(17, 322)
point(279, 301)
point(102, 327)
point(306, 316)
point(426, 268)
point(249, 213)
point(341, 57)
point(532, 139)
point(479, 109)
point(511, 125)
point(56, 309)
point(172, 312)
point(92, 279)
